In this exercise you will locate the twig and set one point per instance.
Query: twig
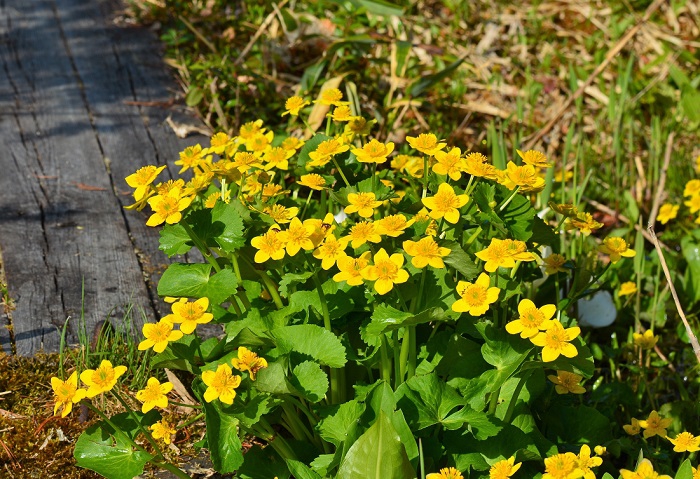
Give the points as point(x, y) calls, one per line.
point(664, 266)
point(263, 26)
point(198, 34)
point(603, 65)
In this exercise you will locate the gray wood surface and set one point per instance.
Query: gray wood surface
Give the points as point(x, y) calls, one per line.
point(75, 119)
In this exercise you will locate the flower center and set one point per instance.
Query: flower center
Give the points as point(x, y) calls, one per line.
point(387, 269)
point(103, 377)
point(532, 318)
point(446, 200)
point(152, 393)
point(474, 295)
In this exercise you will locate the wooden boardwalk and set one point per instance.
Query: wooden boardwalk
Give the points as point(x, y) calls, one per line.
point(76, 117)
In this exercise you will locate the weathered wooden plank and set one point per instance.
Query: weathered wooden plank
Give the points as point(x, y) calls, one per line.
point(61, 224)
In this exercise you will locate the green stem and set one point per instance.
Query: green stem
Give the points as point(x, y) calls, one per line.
point(203, 248)
point(149, 438)
point(191, 421)
point(269, 284)
point(516, 393)
point(235, 306)
point(473, 237)
point(425, 177)
point(398, 378)
point(340, 170)
point(493, 401)
point(181, 404)
point(509, 199)
point(306, 205)
point(336, 394)
point(385, 372)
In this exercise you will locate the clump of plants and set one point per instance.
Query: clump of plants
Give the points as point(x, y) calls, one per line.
point(387, 310)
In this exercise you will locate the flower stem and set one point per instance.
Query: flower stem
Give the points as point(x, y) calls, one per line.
point(336, 394)
point(149, 438)
point(203, 248)
point(306, 205)
point(425, 177)
point(191, 421)
point(340, 170)
point(516, 393)
point(509, 199)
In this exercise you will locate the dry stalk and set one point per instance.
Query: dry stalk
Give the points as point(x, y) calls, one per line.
point(603, 65)
point(655, 240)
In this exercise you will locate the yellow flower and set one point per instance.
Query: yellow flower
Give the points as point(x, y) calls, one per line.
point(393, 225)
point(646, 340)
point(325, 151)
point(554, 263)
point(504, 469)
point(566, 209)
point(586, 462)
point(475, 298)
point(653, 425)
point(583, 222)
point(616, 248)
point(190, 157)
point(293, 105)
point(218, 143)
point(503, 254)
point(449, 163)
point(386, 271)
point(426, 143)
point(534, 158)
point(532, 320)
point(248, 361)
point(566, 382)
point(331, 251)
point(633, 428)
point(562, 466)
point(313, 181)
point(362, 204)
point(363, 232)
point(167, 209)
point(667, 212)
point(154, 395)
point(292, 143)
point(426, 252)
point(280, 214)
point(102, 379)
point(158, 335)
point(693, 203)
point(142, 179)
point(331, 96)
point(277, 157)
point(696, 471)
point(297, 237)
point(692, 188)
point(645, 470)
point(162, 430)
point(555, 341)
point(358, 126)
point(445, 473)
point(269, 245)
point(190, 314)
point(685, 442)
point(221, 384)
point(351, 269)
point(373, 152)
point(341, 113)
point(525, 176)
point(600, 450)
point(259, 143)
point(66, 393)
point(250, 129)
point(627, 288)
point(475, 165)
point(322, 228)
point(445, 204)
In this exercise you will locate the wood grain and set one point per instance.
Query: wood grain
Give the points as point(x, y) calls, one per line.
point(69, 138)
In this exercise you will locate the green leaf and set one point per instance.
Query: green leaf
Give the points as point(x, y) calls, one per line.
point(262, 462)
point(380, 7)
point(174, 240)
point(385, 318)
point(223, 442)
point(290, 279)
point(100, 449)
point(336, 428)
point(427, 400)
point(228, 218)
point(194, 281)
point(518, 215)
point(300, 470)
point(575, 425)
point(691, 253)
point(461, 261)
point(308, 147)
point(272, 379)
point(423, 84)
point(685, 471)
point(607, 476)
point(377, 454)
point(194, 96)
point(310, 381)
point(250, 411)
point(184, 280)
point(690, 99)
point(313, 341)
